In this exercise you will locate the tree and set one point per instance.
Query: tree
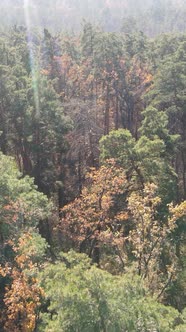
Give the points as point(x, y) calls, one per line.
point(22, 296)
point(142, 160)
point(21, 247)
point(33, 123)
point(154, 125)
point(22, 206)
point(151, 241)
point(85, 298)
point(96, 217)
point(167, 95)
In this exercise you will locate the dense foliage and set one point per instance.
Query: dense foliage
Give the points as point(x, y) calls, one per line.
point(93, 170)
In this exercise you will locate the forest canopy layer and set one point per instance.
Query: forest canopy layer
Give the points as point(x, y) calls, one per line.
point(93, 167)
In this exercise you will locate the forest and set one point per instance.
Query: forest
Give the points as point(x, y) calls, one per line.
point(150, 16)
point(93, 166)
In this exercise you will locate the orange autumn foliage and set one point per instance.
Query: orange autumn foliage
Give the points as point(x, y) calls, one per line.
point(22, 296)
point(21, 300)
point(93, 216)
